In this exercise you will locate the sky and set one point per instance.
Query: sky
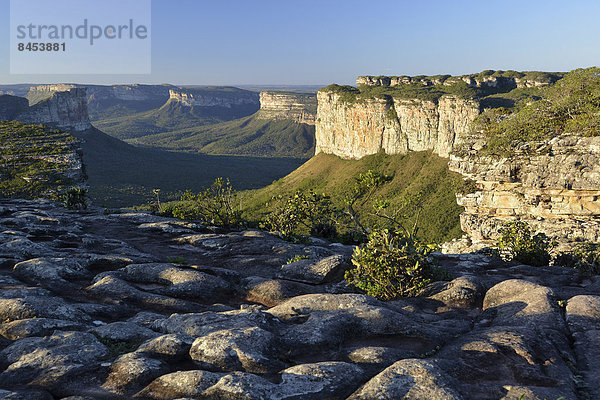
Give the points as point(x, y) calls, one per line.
point(318, 42)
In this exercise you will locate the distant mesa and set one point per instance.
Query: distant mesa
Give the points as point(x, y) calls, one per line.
point(299, 107)
point(213, 97)
point(65, 109)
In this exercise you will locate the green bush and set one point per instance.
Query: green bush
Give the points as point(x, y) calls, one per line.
point(585, 257)
point(218, 205)
point(299, 214)
point(392, 264)
point(519, 244)
point(75, 198)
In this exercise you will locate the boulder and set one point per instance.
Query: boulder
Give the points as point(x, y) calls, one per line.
point(131, 372)
point(408, 379)
point(181, 384)
point(330, 269)
point(52, 362)
point(250, 350)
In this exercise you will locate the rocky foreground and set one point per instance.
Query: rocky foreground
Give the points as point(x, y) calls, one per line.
point(92, 309)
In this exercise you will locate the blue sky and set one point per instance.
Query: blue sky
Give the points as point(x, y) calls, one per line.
point(235, 42)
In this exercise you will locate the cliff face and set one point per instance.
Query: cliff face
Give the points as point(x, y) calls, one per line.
point(555, 190)
point(97, 93)
point(213, 98)
point(396, 126)
point(64, 110)
point(553, 185)
point(298, 107)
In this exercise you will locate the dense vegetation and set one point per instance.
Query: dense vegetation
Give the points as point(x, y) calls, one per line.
point(35, 160)
point(571, 105)
point(251, 136)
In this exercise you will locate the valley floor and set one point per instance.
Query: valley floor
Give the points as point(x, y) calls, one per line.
point(135, 305)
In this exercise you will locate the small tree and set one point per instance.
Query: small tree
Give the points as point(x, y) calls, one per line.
point(518, 243)
point(392, 264)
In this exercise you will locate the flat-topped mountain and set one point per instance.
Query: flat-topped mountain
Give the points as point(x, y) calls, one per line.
point(227, 97)
point(299, 107)
point(283, 127)
point(65, 109)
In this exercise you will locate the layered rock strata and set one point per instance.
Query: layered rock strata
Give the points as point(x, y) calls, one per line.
point(298, 107)
point(396, 126)
point(554, 185)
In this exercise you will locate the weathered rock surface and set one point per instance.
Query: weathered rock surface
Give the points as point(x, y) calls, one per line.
point(299, 107)
point(396, 126)
point(64, 107)
point(203, 98)
point(107, 316)
point(552, 185)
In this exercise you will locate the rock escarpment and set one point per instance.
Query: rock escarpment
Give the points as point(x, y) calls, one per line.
point(99, 93)
point(37, 161)
point(554, 185)
point(62, 109)
point(91, 307)
point(299, 107)
point(213, 98)
point(359, 128)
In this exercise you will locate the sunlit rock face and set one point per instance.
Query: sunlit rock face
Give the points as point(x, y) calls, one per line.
point(62, 109)
point(553, 185)
point(298, 107)
point(204, 98)
point(396, 126)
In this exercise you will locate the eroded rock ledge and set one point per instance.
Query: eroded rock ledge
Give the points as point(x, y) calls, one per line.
point(91, 307)
point(554, 185)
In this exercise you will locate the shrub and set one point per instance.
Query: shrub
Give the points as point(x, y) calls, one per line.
point(75, 198)
point(392, 264)
point(216, 206)
point(301, 213)
point(585, 257)
point(517, 243)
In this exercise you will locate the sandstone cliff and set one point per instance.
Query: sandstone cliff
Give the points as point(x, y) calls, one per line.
point(64, 110)
point(396, 126)
point(99, 93)
point(298, 107)
point(553, 185)
point(213, 98)
point(554, 188)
